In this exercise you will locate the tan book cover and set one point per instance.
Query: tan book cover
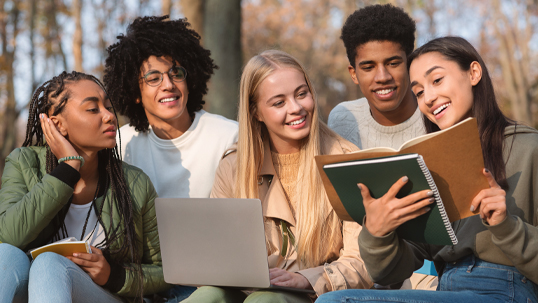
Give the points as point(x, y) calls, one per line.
point(66, 247)
point(453, 156)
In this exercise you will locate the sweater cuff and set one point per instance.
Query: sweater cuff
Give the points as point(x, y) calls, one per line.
point(66, 173)
point(367, 239)
point(116, 280)
point(503, 229)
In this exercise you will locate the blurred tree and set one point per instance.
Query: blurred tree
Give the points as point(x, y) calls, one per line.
point(77, 35)
point(10, 12)
point(219, 24)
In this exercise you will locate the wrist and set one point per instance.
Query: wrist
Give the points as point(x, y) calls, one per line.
point(74, 161)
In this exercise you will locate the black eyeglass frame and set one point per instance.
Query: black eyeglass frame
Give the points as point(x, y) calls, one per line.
point(171, 77)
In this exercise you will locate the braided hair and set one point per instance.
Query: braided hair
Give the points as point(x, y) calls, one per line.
point(153, 36)
point(53, 95)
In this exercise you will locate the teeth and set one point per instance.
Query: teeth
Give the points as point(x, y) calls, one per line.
point(440, 108)
point(384, 91)
point(296, 122)
point(167, 100)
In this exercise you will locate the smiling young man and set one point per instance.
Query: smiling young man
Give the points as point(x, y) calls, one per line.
point(156, 75)
point(378, 39)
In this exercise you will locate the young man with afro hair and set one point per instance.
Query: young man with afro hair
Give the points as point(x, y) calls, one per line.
point(378, 39)
point(156, 74)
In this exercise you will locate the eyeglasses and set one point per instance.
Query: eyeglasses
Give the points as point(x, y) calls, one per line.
point(155, 77)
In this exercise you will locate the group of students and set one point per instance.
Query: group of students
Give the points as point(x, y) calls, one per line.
point(68, 179)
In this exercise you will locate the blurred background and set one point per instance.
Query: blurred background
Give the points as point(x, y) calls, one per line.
point(41, 38)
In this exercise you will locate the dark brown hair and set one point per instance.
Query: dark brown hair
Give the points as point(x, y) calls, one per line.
point(491, 121)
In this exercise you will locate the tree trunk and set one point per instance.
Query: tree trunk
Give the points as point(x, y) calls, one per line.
point(193, 10)
point(166, 7)
point(222, 35)
point(77, 35)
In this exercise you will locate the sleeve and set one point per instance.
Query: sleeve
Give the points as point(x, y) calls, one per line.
point(347, 272)
point(152, 272)
point(342, 121)
point(223, 186)
point(26, 209)
point(517, 239)
point(389, 259)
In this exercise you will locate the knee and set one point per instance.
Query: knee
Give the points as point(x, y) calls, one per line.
point(49, 264)
point(14, 260)
point(267, 297)
point(212, 294)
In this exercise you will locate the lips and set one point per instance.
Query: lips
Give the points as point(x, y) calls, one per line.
point(384, 91)
point(110, 129)
point(297, 122)
point(437, 110)
point(168, 99)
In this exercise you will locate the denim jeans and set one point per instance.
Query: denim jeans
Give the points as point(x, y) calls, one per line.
point(49, 278)
point(468, 280)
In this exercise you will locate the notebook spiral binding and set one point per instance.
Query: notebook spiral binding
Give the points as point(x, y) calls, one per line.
point(438, 200)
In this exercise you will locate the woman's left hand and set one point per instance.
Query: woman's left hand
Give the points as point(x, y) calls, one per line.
point(491, 201)
point(94, 264)
point(285, 278)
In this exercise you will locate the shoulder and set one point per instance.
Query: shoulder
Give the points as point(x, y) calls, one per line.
point(349, 107)
point(334, 144)
point(29, 156)
point(216, 122)
point(522, 136)
point(129, 132)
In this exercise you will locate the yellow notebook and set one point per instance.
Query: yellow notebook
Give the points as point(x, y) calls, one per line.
point(65, 247)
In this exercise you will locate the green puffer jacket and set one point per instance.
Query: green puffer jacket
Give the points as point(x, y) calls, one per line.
point(30, 198)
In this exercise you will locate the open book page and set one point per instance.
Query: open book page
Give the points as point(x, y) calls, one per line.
point(453, 156)
point(64, 247)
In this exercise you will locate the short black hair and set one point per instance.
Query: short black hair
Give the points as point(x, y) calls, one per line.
point(378, 23)
point(153, 36)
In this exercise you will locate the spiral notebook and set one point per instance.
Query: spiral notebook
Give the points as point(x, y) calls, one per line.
point(379, 174)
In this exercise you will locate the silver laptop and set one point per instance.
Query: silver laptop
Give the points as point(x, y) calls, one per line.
point(218, 242)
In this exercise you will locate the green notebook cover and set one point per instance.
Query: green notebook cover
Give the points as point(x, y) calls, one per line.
point(379, 174)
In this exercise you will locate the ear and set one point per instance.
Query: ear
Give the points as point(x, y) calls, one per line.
point(475, 73)
point(353, 74)
point(60, 124)
point(137, 101)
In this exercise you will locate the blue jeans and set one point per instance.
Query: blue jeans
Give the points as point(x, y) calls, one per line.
point(178, 293)
point(49, 278)
point(468, 280)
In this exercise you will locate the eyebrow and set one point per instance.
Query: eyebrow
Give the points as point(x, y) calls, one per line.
point(429, 71)
point(385, 60)
point(93, 99)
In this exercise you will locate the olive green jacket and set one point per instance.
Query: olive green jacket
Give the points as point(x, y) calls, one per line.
point(30, 198)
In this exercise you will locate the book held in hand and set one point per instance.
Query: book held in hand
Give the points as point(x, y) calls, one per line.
point(453, 157)
point(65, 247)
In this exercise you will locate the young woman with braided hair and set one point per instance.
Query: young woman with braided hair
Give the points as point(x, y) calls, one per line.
point(75, 185)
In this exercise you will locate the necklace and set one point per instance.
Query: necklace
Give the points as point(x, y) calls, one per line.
point(89, 212)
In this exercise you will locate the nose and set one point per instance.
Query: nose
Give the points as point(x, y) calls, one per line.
point(382, 75)
point(429, 96)
point(108, 116)
point(295, 107)
point(166, 84)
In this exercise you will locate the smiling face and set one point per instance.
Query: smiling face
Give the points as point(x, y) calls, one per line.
point(444, 91)
point(165, 103)
point(381, 73)
point(87, 120)
point(285, 105)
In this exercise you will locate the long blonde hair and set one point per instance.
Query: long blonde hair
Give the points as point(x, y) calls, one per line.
point(318, 230)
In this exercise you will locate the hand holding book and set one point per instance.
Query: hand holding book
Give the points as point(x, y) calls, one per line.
point(491, 202)
point(94, 264)
point(385, 214)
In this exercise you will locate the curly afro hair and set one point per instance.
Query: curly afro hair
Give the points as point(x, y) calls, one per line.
point(378, 23)
point(153, 36)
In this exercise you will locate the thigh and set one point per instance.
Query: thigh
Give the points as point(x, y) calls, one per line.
point(277, 296)
point(54, 278)
point(212, 294)
point(14, 268)
point(178, 293)
point(404, 296)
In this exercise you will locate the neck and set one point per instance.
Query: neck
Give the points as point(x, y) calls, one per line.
point(283, 147)
point(407, 108)
point(90, 170)
point(168, 130)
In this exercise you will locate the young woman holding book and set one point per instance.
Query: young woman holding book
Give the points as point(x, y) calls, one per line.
point(280, 132)
point(497, 254)
point(75, 185)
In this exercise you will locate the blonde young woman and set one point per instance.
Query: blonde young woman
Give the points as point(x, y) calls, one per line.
point(280, 132)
